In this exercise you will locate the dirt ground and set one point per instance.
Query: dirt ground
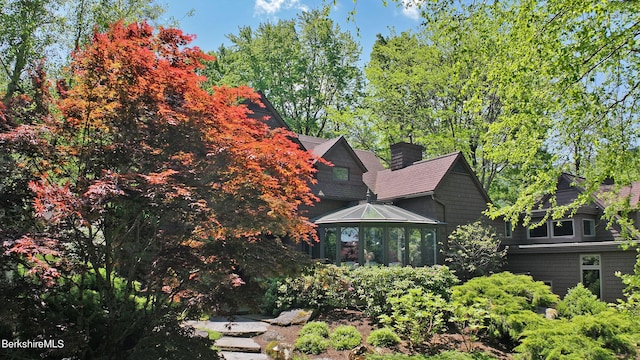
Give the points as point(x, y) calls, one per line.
point(289, 334)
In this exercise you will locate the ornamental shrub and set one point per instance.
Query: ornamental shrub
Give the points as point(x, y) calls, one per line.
point(580, 301)
point(312, 344)
point(474, 250)
point(320, 287)
point(373, 286)
point(417, 316)
point(608, 335)
point(315, 327)
point(345, 337)
point(384, 337)
point(510, 300)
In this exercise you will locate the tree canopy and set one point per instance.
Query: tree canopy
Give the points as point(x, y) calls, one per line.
point(148, 187)
point(307, 67)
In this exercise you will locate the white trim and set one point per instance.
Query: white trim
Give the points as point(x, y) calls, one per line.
point(553, 226)
point(598, 267)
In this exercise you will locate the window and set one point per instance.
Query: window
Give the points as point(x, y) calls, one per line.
point(541, 231)
point(507, 229)
point(562, 228)
point(590, 273)
point(340, 173)
point(589, 227)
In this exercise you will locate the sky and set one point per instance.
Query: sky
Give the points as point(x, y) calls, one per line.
point(211, 20)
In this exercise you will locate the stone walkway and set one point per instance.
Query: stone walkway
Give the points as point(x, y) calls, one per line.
point(238, 332)
point(236, 342)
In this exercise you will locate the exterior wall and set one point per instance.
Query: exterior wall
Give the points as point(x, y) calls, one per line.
point(322, 207)
point(462, 202)
point(349, 190)
point(562, 270)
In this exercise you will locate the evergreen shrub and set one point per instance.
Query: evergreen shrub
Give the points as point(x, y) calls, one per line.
point(312, 344)
point(345, 337)
point(384, 337)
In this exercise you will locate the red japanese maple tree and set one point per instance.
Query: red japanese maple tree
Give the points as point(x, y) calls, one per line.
point(145, 176)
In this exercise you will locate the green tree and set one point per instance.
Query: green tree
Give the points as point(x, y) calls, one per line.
point(307, 67)
point(474, 250)
point(462, 84)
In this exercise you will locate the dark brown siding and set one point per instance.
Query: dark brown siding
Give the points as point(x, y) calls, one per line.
point(563, 270)
point(328, 188)
point(463, 202)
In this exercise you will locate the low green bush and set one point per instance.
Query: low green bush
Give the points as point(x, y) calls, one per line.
point(312, 344)
point(345, 337)
point(445, 355)
point(315, 327)
point(384, 337)
point(510, 300)
point(580, 301)
point(321, 287)
point(608, 335)
point(373, 286)
point(417, 316)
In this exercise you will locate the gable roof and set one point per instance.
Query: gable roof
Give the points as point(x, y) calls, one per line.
point(421, 178)
point(373, 165)
point(320, 147)
point(267, 113)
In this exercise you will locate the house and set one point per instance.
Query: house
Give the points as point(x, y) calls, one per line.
point(579, 248)
point(368, 214)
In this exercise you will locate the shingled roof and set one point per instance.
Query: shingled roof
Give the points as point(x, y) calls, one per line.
point(421, 178)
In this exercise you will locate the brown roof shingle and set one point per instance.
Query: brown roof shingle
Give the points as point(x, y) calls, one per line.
point(420, 178)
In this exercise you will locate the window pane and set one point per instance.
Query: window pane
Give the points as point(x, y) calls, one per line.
point(349, 242)
point(591, 260)
point(373, 248)
point(396, 246)
point(591, 280)
point(340, 173)
point(563, 228)
point(507, 229)
point(589, 227)
point(330, 245)
point(417, 249)
point(539, 232)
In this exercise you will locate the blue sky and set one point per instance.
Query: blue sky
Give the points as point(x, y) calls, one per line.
point(211, 20)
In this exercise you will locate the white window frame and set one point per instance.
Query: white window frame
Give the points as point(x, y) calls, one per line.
point(598, 267)
point(592, 227)
point(553, 226)
point(539, 237)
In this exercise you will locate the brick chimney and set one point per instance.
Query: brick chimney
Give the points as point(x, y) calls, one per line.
point(404, 154)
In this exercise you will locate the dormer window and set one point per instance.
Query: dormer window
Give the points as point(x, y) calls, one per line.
point(541, 231)
point(340, 173)
point(562, 228)
point(589, 227)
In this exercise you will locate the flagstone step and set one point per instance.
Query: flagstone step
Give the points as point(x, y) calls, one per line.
point(237, 344)
point(229, 355)
point(237, 327)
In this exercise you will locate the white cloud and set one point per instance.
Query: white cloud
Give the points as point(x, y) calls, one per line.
point(271, 7)
point(411, 8)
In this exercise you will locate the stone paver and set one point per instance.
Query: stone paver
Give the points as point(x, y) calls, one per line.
point(292, 317)
point(227, 343)
point(236, 327)
point(243, 356)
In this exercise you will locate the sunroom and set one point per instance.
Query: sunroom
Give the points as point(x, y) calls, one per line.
point(377, 234)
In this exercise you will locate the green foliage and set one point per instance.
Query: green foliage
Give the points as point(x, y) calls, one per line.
point(474, 250)
point(292, 62)
point(318, 287)
point(315, 327)
point(345, 337)
point(384, 337)
point(608, 335)
point(445, 355)
point(580, 301)
point(312, 344)
point(510, 300)
point(469, 321)
point(417, 316)
point(373, 286)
